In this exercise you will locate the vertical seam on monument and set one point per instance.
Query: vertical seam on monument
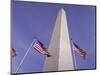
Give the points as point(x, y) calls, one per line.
point(60, 12)
point(60, 36)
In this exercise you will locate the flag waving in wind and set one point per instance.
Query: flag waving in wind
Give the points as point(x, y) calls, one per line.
point(40, 48)
point(13, 52)
point(79, 50)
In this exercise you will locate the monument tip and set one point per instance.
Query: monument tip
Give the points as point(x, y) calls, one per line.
point(62, 9)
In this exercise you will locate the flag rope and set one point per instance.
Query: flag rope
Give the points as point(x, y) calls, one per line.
point(24, 57)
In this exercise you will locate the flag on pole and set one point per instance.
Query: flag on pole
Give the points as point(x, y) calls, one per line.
point(40, 48)
point(79, 50)
point(13, 52)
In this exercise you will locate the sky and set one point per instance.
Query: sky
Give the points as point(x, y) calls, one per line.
point(33, 20)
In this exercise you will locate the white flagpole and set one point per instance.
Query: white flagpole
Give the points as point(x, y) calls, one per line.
point(24, 57)
point(75, 63)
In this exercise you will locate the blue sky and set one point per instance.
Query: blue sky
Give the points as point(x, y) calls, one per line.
point(36, 20)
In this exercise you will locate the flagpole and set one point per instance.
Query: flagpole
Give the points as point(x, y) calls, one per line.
point(75, 63)
point(24, 57)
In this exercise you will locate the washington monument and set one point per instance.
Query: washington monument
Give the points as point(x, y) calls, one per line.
point(60, 46)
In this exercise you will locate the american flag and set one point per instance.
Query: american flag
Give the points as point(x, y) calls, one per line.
point(40, 48)
point(79, 50)
point(13, 52)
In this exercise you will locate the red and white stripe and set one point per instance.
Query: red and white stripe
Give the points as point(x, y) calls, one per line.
point(39, 48)
point(13, 52)
point(80, 51)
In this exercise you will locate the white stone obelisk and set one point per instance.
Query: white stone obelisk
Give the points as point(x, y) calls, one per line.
point(60, 46)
